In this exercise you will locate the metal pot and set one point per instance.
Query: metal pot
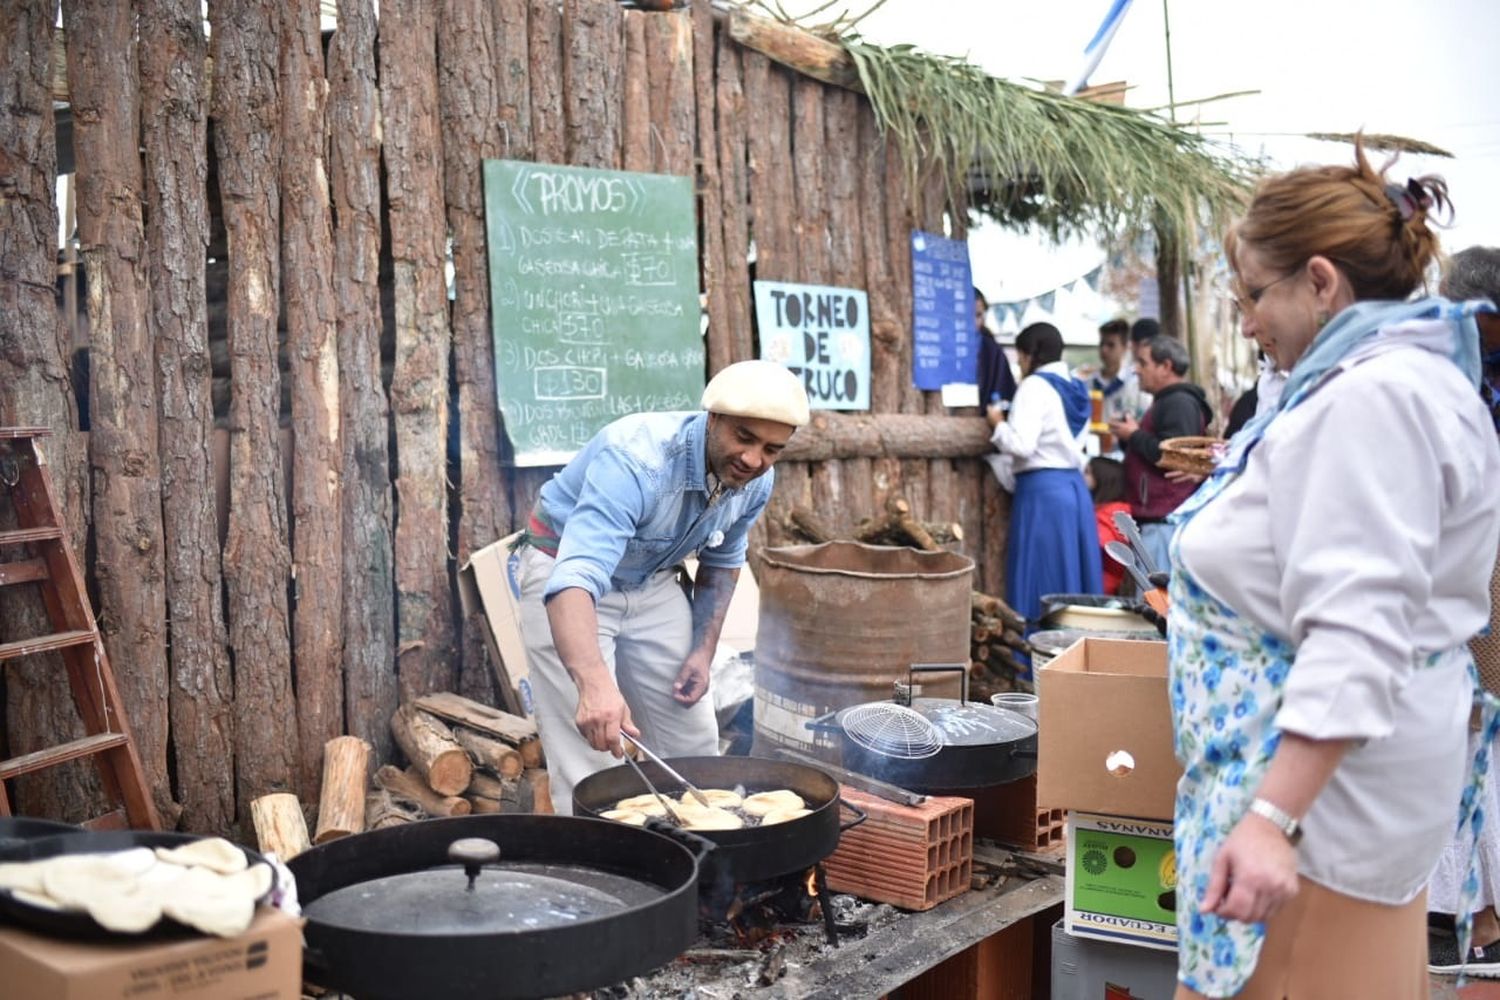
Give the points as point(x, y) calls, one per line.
point(18, 831)
point(570, 905)
point(981, 745)
point(77, 924)
point(753, 853)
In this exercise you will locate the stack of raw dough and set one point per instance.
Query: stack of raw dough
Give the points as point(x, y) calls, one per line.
point(207, 885)
point(726, 810)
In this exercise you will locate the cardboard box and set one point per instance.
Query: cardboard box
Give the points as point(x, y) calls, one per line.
point(489, 584)
point(1083, 969)
point(1121, 880)
point(1105, 740)
point(264, 963)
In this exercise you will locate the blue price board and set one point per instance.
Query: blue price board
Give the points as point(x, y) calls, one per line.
point(944, 342)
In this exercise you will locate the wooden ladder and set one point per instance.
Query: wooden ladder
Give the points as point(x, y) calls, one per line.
point(25, 481)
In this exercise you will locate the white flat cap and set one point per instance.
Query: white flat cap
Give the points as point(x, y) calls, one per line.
point(762, 390)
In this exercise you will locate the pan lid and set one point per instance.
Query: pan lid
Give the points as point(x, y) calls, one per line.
point(974, 724)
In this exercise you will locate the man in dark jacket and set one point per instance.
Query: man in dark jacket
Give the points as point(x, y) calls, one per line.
point(1178, 409)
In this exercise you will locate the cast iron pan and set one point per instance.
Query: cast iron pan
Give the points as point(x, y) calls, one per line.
point(751, 854)
point(417, 957)
point(60, 923)
point(17, 831)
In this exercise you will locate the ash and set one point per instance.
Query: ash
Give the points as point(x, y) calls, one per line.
point(709, 971)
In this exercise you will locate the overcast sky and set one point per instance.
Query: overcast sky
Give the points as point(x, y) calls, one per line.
point(1428, 69)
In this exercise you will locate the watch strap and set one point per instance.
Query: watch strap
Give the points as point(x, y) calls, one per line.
point(1279, 817)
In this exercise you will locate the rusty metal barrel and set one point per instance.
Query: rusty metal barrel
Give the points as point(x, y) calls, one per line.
point(841, 622)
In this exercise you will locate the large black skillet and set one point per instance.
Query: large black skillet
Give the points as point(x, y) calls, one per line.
point(751, 854)
point(390, 916)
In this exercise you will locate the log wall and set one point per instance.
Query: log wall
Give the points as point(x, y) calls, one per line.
point(328, 590)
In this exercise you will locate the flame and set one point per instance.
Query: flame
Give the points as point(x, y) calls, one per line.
point(812, 883)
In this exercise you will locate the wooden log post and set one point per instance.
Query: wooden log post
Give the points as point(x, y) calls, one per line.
point(493, 754)
point(279, 825)
point(430, 746)
point(346, 774)
point(369, 627)
point(635, 112)
point(34, 370)
point(411, 786)
point(123, 443)
point(257, 562)
point(796, 48)
point(174, 124)
point(419, 379)
point(669, 64)
point(593, 56)
point(312, 343)
point(736, 340)
point(545, 72)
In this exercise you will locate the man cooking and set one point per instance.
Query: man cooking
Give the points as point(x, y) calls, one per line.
point(612, 638)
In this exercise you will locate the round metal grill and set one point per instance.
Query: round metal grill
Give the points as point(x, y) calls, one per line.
point(892, 730)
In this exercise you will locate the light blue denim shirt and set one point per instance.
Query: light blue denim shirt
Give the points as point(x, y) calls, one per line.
point(635, 501)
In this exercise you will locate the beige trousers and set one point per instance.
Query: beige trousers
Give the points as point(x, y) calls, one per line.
point(1324, 945)
point(644, 634)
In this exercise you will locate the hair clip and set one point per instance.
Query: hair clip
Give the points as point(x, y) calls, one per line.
point(1409, 198)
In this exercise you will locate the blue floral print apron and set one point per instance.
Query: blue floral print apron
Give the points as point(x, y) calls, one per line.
point(1226, 678)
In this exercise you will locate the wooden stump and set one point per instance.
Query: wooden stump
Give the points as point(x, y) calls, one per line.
point(279, 825)
point(346, 770)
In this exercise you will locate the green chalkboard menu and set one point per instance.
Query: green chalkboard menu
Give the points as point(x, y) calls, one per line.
point(594, 301)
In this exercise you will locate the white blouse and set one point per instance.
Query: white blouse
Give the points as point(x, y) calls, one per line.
point(1363, 531)
point(1036, 434)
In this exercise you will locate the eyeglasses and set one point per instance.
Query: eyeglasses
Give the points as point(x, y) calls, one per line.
point(1248, 297)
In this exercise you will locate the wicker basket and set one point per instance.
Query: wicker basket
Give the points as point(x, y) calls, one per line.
point(1195, 455)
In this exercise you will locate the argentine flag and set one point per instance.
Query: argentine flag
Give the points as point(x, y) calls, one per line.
point(1094, 51)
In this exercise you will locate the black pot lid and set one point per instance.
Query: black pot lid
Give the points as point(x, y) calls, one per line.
point(971, 724)
point(507, 896)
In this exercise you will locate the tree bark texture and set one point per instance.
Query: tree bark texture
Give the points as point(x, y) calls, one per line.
point(710, 196)
point(593, 58)
point(247, 124)
point(669, 63)
point(635, 111)
point(104, 83)
point(768, 96)
point(512, 57)
point(886, 331)
point(312, 343)
point(809, 186)
point(419, 384)
point(846, 240)
point(34, 348)
point(368, 584)
point(735, 338)
point(832, 436)
point(341, 802)
point(472, 132)
point(899, 223)
point(174, 132)
point(544, 28)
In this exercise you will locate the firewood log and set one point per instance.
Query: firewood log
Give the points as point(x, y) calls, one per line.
point(346, 773)
point(493, 754)
point(279, 825)
point(513, 798)
point(541, 790)
point(803, 522)
point(410, 786)
point(430, 746)
point(382, 810)
point(532, 754)
point(989, 605)
point(484, 806)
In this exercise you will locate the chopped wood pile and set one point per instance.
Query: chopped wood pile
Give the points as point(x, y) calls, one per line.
point(996, 631)
point(465, 757)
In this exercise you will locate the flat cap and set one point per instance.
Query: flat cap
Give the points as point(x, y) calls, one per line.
point(761, 390)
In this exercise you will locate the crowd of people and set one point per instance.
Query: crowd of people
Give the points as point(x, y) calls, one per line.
point(1331, 641)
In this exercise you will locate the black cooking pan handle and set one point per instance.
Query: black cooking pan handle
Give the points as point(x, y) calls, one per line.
point(699, 846)
point(859, 816)
point(962, 669)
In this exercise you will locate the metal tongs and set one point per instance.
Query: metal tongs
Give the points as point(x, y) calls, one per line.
point(691, 788)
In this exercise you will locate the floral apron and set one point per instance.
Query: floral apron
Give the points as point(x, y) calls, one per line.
point(1226, 678)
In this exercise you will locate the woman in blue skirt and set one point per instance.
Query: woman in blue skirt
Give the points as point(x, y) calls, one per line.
point(1053, 547)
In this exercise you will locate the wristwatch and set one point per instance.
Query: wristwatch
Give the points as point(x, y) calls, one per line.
point(1280, 818)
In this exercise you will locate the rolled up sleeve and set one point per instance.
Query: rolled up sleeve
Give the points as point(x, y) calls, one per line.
point(730, 554)
point(610, 507)
point(1355, 514)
